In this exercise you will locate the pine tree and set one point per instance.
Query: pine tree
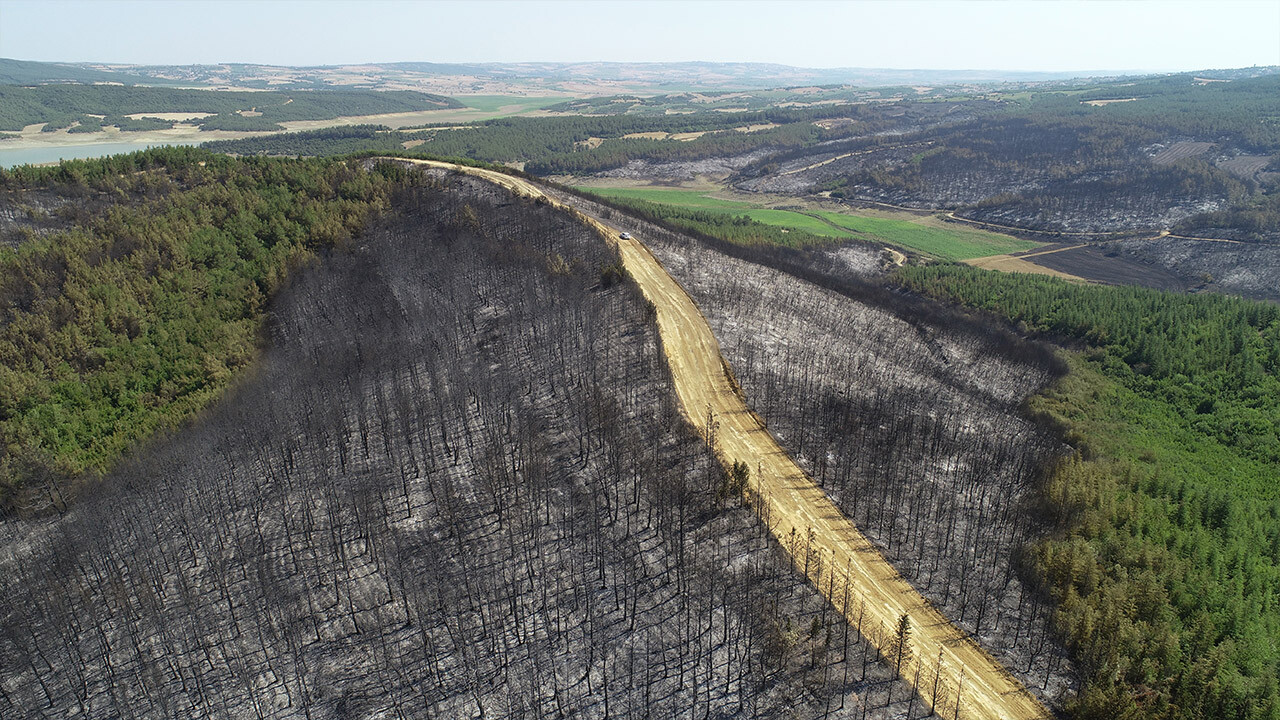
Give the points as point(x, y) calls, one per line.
point(900, 648)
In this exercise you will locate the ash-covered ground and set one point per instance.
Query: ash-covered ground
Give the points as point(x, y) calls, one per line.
point(909, 416)
point(456, 485)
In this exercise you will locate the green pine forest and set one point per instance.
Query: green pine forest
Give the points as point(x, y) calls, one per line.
point(1165, 555)
point(133, 322)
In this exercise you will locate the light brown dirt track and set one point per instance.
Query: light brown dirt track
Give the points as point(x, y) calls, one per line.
point(788, 500)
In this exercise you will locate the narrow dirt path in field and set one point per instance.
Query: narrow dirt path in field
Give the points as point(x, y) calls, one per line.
point(1038, 253)
point(797, 511)
point(1201, 239)
point(1020, 263)
point(845, 230)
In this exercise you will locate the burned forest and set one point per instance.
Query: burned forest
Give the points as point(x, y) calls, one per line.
point(622, 385)
point(456, 484)
point(912, 426)
point(908, 414)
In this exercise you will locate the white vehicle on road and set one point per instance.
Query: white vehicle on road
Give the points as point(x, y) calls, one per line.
point(625, 236)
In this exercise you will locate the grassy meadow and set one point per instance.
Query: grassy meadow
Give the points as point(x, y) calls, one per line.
point(920, 234)
point(947, 243)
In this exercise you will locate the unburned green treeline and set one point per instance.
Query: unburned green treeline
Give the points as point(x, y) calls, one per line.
point(137, 319)
point(1164, 558)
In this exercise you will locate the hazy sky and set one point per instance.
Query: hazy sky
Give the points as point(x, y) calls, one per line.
point(1010, 35)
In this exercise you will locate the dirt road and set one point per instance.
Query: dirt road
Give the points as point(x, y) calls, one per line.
point(799, 513)
point(830, 160)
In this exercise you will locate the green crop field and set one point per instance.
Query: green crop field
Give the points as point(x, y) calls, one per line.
point(796, 221)
point(942, 242)
point(694, 199)
point(947, 243)
point(699, 200)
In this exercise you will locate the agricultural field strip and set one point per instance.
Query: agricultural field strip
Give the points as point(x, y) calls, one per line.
point(943, 242)
point(796, 504)
point(1015, 263)
point(819, 215)
point(947, 243)
point(700, 201)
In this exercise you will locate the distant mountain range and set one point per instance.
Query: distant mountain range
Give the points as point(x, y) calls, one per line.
point(532, 78)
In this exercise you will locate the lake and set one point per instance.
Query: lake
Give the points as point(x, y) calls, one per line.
point(36, 156)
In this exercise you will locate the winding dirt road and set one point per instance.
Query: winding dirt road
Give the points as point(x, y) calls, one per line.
point(795, 508)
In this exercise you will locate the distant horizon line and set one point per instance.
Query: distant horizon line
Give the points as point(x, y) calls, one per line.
point(1098, 71)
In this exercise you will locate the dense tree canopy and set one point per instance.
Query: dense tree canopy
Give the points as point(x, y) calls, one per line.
point(1166, 562)
point(136, 319)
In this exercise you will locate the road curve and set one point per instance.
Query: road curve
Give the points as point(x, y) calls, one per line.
point(793, 505)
